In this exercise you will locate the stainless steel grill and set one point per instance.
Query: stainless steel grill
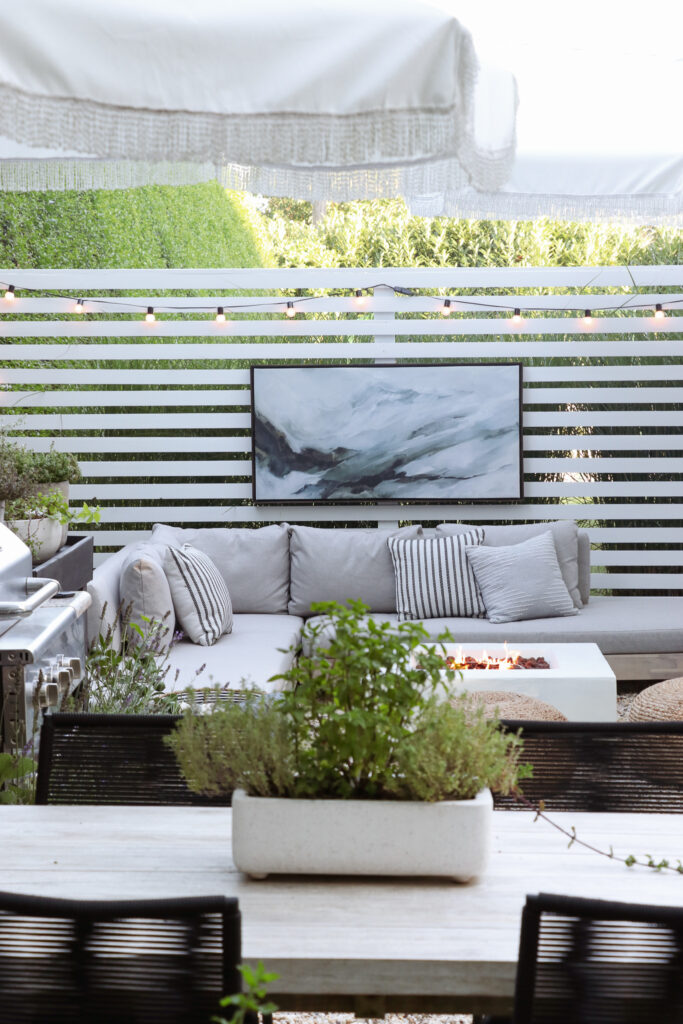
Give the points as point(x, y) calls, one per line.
point(42, 645)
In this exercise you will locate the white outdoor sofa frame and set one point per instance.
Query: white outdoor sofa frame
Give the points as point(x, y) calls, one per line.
point(602, 401)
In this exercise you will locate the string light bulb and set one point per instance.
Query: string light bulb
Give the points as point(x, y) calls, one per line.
point(290, 311)
point(149, 315)
point(446, 308)
point(9, 293)
point(80, 306)
point(659, 312)
point(517, 316)
point(220, 315)
point(359, 298)
point(587, 317)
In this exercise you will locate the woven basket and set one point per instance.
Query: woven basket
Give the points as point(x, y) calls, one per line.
point(662, 702)
point(516, 706)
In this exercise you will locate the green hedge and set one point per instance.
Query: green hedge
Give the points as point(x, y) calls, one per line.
point(155, 226)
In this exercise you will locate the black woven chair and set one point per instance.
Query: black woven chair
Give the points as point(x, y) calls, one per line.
point(602, 766)
point(111, 759)
point(132, 962)
point(592, 961)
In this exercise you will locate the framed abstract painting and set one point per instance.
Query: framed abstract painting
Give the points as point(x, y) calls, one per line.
point(420, 432)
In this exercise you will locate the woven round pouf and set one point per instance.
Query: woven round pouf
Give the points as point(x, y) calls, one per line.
point(517, 706)
point(662, 702)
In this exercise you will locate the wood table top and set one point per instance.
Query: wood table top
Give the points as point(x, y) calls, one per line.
point(364, 944)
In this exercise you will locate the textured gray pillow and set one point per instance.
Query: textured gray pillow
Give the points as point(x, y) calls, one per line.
point(145, 595)
point(565, 535)
point(521, 581)
point(253, 563)
point(200, 596)
point(342, 565)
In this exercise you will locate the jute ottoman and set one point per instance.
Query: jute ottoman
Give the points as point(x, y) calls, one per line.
point(662, 702)
point(517, 706)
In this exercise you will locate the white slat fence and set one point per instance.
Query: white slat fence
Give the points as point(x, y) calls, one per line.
point(158, 414)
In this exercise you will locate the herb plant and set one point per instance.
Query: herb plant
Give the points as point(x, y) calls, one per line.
point(252, 1003)
point(365, 718)
point(131, 681)
point(17, 779)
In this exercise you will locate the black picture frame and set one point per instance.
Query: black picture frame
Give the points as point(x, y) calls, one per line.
point(272, 448)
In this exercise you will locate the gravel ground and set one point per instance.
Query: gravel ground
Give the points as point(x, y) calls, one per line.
point(348, 1018)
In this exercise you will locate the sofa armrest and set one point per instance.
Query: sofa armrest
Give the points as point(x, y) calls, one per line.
point(103, 614)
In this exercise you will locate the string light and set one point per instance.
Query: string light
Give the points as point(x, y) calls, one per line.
point(220, 315)
point(359, 298)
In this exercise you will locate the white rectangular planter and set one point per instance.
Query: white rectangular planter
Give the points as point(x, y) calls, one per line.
point(579, 682)
point(451, 838)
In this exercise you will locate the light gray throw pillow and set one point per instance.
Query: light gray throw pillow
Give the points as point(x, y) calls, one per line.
point(565, 535)
point(200, 596)
point(145, 595)
point(521, 581)
point(253, 563)
point(434, 579)
point(342, 565)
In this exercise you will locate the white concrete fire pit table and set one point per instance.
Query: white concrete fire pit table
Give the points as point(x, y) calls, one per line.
point(579, 682)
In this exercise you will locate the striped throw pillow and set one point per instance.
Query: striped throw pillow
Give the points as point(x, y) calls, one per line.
point(434, 580)
point(200, 595)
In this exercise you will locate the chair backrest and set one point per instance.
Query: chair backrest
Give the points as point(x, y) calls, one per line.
point(111, 759)
point(593, 961)
point(109, 962)
point(602, 766)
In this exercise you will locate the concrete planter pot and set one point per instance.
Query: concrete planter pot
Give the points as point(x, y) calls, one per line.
point(450, 839)
point(46, 536)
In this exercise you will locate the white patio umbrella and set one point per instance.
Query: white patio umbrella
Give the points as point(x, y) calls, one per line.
point(316, 99)
point(599, 128)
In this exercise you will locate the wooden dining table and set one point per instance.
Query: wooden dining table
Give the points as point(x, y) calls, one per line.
point(367, 945)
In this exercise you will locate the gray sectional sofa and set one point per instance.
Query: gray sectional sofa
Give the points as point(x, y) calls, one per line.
point(275, 572)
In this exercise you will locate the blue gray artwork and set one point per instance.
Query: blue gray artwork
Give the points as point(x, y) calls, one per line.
point(387, 433)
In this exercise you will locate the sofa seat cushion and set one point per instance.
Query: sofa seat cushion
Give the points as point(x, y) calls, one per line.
point(246, 657)
point(618, 625)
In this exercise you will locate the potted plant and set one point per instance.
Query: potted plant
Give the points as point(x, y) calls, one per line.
point(361, 766)
point(41, 521)
point(24, 472)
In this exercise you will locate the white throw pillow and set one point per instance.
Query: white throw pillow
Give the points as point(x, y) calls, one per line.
point(434, 579)
point(521, 581)
point(200, 596)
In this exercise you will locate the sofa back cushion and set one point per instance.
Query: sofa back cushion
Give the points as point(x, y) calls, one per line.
point(342, 565)
point(253, 563)
point(565, 536)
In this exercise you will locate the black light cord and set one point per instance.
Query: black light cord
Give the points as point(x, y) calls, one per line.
point(447, 303)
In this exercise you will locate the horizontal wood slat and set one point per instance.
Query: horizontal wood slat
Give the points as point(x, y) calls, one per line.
point(161, 439)
point(215, 280)
point(298, 328)
point(15, 399)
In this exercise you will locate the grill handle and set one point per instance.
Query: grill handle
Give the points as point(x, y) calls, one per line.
point(40, 590)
